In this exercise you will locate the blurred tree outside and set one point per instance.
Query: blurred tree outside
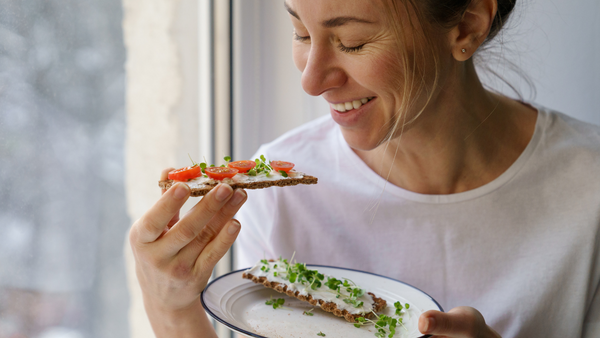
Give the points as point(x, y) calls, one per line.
point(62, 201)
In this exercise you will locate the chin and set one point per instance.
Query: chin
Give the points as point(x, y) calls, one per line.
point(361, 139)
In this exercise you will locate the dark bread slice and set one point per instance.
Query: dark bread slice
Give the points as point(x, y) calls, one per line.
point(306, 179)
point(379, 304)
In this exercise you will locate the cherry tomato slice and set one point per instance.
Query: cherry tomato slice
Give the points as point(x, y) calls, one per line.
point(242, 166)
point(282, 165)
point(219, 173)
point(184, 174)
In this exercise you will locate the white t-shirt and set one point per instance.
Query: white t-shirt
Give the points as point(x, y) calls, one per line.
point(522, 249)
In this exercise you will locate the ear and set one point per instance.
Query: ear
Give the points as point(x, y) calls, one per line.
point(472, 29)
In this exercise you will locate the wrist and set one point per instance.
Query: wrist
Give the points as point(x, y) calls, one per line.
point(191, 321)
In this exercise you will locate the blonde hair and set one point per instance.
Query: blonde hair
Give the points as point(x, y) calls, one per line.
point(425, 19)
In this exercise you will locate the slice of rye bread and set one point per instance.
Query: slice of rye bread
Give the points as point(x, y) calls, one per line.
point(305, 179)
point(379, 304)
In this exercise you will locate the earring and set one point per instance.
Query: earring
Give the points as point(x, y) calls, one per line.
point(463, 50)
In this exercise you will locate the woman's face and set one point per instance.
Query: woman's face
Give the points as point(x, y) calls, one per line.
point(348, 53)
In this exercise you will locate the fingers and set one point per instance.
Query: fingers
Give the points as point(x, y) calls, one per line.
point(186, 230)
point(154, 221)
point(217, 248)
point(191, 251)
point(164, 175)
point(460, 322)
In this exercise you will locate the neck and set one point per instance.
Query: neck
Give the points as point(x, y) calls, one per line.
point(466, 137)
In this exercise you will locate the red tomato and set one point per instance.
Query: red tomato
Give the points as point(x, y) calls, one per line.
point(242, 166)
point(184, 174)
point(219, 173)
point(282, 165)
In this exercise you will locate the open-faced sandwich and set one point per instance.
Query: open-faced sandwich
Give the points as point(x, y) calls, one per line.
point(256, 174)
point(341, 297)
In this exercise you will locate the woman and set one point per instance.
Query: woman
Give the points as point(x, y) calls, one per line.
point(489, 204)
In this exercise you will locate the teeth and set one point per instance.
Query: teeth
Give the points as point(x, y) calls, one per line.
point(344, 107)
point(339, 107)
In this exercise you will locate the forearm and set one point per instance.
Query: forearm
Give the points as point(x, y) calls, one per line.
point(191, 322)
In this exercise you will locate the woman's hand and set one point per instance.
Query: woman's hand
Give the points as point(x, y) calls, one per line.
point(460, 322)
point(175, 257)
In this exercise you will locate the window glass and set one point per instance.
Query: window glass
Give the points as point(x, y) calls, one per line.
point(62, 206)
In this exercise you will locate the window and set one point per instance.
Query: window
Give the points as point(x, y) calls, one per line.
point(62, 202)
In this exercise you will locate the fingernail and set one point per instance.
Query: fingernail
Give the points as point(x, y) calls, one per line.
point(223, 191)
point(430, 324)
point(238, 197)
point(234, 227)
point(181, 191)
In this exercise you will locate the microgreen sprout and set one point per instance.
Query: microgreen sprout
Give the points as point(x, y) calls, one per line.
point(227, 160)
point(277, 303)
point(300, 274)
point(400, 308)
point(385, 326)
point(261, 167)
point(333, 283)
point(321, 334)
point(265, 267)
point(309, 312)
point(354, 292)
point(353, 302)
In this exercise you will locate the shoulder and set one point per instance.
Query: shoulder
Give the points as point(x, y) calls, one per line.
point(566, 149)
point(562, 128)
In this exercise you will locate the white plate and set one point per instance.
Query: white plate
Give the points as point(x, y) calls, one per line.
point(240, 305)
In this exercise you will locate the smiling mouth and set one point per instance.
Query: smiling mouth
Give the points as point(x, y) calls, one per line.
point(346, 106)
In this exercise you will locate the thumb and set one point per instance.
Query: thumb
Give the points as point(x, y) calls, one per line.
point(460, 322)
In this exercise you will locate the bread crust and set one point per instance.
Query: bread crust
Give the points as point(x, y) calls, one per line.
point(379, 303)
point(306, 179)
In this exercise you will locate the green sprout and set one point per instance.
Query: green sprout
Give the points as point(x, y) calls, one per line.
point(385, 326)
point(277, 303)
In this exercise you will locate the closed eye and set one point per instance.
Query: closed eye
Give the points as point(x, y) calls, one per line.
point(301, 38)
point(350, 49)
point(340, 46)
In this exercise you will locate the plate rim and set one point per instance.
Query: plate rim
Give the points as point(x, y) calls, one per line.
point(237, 329)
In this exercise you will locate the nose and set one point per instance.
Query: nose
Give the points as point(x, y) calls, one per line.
point(322, 72)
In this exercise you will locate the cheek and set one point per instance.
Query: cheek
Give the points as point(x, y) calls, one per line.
point(385, 75)
point(391, 73)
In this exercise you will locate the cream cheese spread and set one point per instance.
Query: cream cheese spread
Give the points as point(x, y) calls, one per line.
point(204, 182)
point(277, 271)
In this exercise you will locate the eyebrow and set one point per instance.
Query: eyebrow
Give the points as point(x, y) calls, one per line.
point(335, 22)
